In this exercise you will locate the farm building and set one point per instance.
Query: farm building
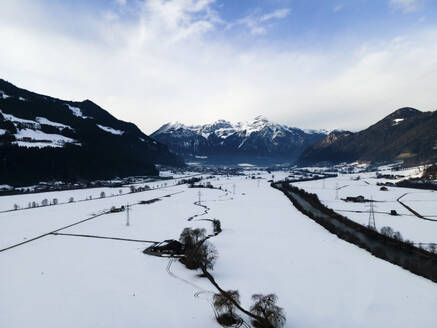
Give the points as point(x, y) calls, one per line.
point(167, 247)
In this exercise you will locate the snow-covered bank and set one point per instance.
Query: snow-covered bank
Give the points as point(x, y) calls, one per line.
point(332, 191)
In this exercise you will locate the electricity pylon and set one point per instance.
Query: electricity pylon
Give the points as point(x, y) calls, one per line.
point(127, 215)
point(371, 224)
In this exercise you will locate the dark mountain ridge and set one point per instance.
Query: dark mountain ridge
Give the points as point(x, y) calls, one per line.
point(44, 138)
point(407, 134)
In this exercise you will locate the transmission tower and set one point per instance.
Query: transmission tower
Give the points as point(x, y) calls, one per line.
point(371, 224)
point(127, 215)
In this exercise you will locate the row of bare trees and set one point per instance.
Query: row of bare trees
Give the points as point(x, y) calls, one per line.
point(201, 254)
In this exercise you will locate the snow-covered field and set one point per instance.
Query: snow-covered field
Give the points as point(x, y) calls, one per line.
point(266, 246)
point(410, 226)
point(7, 203)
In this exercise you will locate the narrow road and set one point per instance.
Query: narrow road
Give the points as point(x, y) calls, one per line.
point(104, 237)
point(72, 225)
point(413, 211)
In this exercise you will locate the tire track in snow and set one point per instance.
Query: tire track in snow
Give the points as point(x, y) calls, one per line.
point(413, 211)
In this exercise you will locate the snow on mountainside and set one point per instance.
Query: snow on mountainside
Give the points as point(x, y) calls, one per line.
point(110, 130)
point(44, 138)
point(407, 134)
point(259, 140)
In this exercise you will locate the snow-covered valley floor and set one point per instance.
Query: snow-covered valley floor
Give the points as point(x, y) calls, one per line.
point(266, 246)
point(408, 224)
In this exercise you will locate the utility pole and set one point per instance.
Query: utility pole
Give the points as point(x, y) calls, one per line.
point(200, 195)
point(371, 224)
point(233, 188)
point(336, 191)
point(127, 215)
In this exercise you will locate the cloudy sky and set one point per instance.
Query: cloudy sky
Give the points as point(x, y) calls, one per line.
point(306, 63)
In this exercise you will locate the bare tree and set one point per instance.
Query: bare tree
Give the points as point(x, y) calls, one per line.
point(224, 304)
point(217, 226)
point(198, 252)
point(387, 231)
point(203, 256)
point(270, 315)
point(397, 235)
point(192, 237)
point(207, 256)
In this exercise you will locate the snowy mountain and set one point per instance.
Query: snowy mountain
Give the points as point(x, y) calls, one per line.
point(406, 134)
point(259, 141)
point(44, 138)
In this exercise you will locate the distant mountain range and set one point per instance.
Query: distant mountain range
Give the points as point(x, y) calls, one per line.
point(260, 141)
point(44, 138)
point(407, 134)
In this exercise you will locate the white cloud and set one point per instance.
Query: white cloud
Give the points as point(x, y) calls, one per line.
point(337, 8)
point(256, 23)
point(121, 2)
point(165, 65)
point(277, 14)
point(406, 6)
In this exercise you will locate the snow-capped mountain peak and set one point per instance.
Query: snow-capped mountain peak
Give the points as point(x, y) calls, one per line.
point(258, 137)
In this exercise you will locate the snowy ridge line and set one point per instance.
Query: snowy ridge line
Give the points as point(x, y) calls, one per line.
point(72, 225)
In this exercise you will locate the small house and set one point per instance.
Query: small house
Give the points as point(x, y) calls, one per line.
point(357, 199)
point(117, 209)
